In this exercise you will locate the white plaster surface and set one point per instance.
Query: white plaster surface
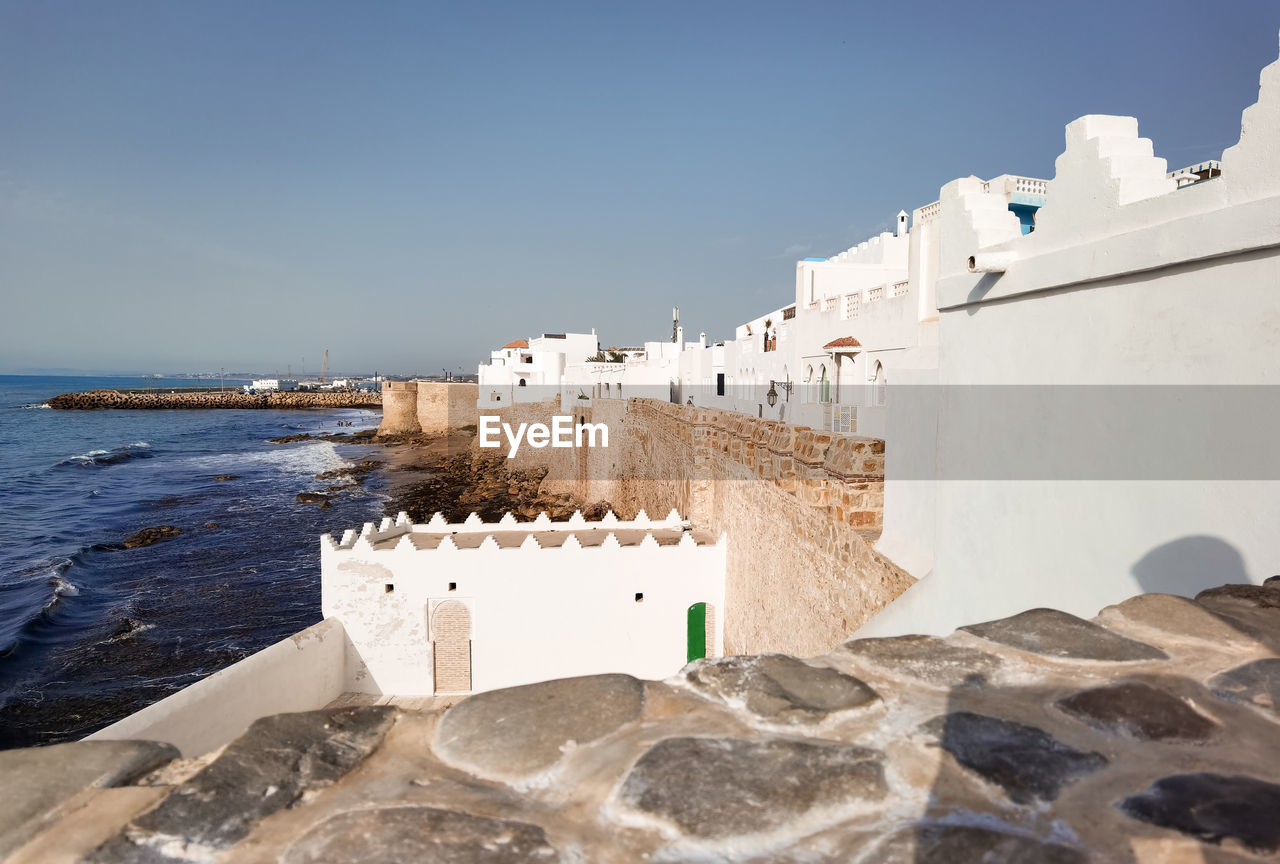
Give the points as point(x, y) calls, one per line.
point(301, 673)
point(1171, 298)
point(547, 600)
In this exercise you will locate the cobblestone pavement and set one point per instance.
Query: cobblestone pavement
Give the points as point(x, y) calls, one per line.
point(1149, 734)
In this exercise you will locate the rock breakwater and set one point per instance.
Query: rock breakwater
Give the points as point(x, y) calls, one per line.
point(101, 399)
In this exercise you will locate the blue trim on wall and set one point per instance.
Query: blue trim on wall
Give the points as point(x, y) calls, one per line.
point(1025, 214)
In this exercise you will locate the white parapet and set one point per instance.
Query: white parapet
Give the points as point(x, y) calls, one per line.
point(301, 673)
point(447, 607)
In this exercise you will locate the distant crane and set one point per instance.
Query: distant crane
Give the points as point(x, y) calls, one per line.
point(324, 365)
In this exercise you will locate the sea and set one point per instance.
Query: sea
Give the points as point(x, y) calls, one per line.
point(91, 631)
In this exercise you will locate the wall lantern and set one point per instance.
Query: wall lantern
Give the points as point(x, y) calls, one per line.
point(772, 395)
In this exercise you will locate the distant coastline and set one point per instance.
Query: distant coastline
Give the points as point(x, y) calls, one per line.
point(208, 399)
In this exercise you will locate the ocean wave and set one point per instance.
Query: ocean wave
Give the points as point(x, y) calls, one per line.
point(34, 406)
point(307, 458)
point(31, 603)
point(94, 458)
point(126, 629)
point(61, 586)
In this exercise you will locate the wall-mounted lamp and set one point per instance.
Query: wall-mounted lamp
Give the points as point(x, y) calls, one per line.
point(772, 395)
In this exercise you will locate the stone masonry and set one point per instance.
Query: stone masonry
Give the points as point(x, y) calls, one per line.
point(210, 398)
point(426, 407)
point(1148, 734)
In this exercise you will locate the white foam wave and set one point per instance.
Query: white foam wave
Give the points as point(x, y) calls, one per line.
point(63, 588)
point(35, 407)
point(120, 454)
point(309, 458)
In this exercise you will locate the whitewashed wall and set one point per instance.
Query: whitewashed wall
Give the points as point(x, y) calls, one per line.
point(537, 613)
point(1126, 282)
point(301, 673)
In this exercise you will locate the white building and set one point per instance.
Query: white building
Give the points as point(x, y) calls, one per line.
point(566, 366)
point(264, 385)
point(530, 370)
point(1102, 420)
point(453, 608)
point(854, 320)
point(420, 610)
point(648, 372)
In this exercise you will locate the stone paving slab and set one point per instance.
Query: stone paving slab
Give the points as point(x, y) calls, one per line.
point(1149, 734)
point(95, 822)
point(266, 769)
point(36, 782)
point(517, 732)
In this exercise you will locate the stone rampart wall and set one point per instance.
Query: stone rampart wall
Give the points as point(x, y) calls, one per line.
point(430, 407)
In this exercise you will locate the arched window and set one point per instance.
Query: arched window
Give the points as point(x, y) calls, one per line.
point(877, 396)
point(824, 385)
point(522, 383)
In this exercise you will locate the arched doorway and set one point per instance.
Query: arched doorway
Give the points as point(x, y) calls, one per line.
point(451, 647)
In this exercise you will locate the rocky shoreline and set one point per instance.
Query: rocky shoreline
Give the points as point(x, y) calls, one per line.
point(449, 476)
point(159, 400)
point(426, 474)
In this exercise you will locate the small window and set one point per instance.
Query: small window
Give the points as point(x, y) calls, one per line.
point(453, 586)
point(639, 597)
point(522, 383)
point(388, 588)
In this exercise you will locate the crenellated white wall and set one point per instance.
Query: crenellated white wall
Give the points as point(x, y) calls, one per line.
point(546, 599)
point(1105, 411)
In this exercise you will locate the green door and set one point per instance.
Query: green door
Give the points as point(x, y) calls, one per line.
point(697, 631)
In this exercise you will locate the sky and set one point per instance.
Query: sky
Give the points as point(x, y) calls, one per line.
point(244, 184)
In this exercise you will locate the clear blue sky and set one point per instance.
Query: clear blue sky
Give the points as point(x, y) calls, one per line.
point(189, 185)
